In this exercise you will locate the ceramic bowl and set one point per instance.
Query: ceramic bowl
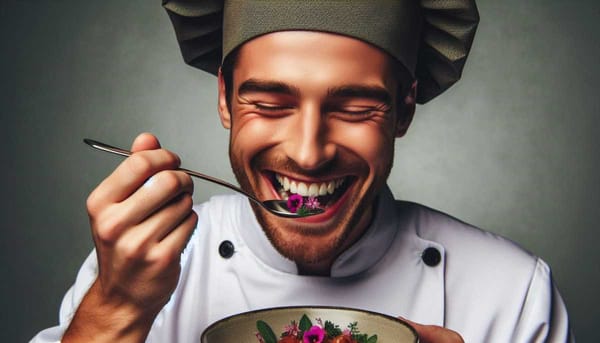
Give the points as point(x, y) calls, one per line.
point(243, 328)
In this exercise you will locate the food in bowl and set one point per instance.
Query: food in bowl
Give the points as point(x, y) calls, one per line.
point(309, 324)
point(305, 331)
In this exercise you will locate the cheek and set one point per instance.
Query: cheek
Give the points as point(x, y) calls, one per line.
point(251, 134)
point(371, 142)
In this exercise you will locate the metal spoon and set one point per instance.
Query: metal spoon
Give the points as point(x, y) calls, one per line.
point(277, 207)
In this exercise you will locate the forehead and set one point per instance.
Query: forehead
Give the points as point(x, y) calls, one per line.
point(308, 57)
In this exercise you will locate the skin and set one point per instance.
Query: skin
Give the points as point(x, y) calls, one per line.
point(139, 229)
point(292, 113)
point(141, 215)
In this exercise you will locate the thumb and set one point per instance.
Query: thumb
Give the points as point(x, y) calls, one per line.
point(145, 141)
point(434, 333)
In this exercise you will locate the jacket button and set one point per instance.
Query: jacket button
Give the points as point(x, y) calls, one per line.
point(226, 249)
point(431, 256)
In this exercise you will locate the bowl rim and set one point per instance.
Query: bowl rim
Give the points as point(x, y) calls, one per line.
point(315, 307)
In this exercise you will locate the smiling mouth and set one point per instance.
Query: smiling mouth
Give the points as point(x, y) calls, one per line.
point(326, 192)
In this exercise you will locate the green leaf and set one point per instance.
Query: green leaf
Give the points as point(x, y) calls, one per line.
point(372, 339)
point(332, 329)
point(302, 211)
point(360, 337)
point(353, 328)
point(266, 332)
point(305, 323)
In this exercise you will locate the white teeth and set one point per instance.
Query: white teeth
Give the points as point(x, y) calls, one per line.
point(323, 189)
point(313, 190)
point(286, 183)
point(308, 189)
point(302, 189)
point(330, 187)
point(284, 195)
point(293, 187)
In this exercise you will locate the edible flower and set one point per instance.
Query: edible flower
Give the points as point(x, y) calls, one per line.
point(292, 329)
point(294, 202)
point(312, 203)
point(314, 335)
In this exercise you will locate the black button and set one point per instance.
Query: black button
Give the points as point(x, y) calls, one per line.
point(431, 256)
point(226, 249)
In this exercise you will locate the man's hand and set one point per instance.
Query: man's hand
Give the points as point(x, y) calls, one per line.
point(435, 334)
point(141, 219)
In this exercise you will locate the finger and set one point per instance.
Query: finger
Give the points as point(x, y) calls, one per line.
point(157, 192)
point(132, 173)
point(162, 222)
point(145, 141)
point(435, 334)
point(173, 244)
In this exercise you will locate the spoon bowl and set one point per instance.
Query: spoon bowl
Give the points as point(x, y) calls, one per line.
point(275, 206)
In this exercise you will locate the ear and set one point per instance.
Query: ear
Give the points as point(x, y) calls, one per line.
point(406, 111)
point(224, 113)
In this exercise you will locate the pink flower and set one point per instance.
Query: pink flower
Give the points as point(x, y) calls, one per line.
point(312, 203)
point(292, 329)
point(314, 335)
point(294, 202)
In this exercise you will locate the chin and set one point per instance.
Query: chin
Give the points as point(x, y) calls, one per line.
point(324, 236)
point(346, 189)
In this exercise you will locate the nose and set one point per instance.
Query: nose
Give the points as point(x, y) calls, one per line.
point(307, 140)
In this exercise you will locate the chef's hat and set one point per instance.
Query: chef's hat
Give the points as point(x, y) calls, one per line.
point(430, 38)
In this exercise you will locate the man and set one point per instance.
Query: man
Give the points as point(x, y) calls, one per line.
point(314, 95)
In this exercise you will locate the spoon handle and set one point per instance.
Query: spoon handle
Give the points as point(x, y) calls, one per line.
point(122, 152)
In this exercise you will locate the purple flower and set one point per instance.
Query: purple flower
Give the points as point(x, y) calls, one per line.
point(314, 335)
point(294, 202)
point(312, 203)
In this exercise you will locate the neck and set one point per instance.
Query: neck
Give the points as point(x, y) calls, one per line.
point(321, 268)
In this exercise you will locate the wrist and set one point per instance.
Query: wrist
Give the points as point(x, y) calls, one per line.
point(99, 319)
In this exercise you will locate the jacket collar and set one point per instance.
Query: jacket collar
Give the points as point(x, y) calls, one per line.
point(365, 253)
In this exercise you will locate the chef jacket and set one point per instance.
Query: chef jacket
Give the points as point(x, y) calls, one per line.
point(412, 262)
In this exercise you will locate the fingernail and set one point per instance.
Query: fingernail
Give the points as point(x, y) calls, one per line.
point(149, 182)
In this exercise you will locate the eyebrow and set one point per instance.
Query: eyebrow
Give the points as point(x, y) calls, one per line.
point(265, 86)
point(361, 91)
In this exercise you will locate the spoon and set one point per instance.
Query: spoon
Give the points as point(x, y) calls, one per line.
point(277, 207)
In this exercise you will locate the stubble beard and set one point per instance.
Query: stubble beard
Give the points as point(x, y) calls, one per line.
point(309, 243)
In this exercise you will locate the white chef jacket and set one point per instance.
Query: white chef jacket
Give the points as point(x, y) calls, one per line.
point(484, 286)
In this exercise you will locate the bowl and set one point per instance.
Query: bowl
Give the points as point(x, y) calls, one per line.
point(317, 324)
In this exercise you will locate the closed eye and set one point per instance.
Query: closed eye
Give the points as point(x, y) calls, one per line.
point(357, 113)
point(271, 107)
point(361, 112)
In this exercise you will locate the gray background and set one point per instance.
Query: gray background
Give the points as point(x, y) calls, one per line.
point(511, 148)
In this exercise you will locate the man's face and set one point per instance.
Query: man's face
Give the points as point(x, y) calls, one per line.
point(315, 114)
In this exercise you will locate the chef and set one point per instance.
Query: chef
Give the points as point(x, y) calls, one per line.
point(314, 94)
